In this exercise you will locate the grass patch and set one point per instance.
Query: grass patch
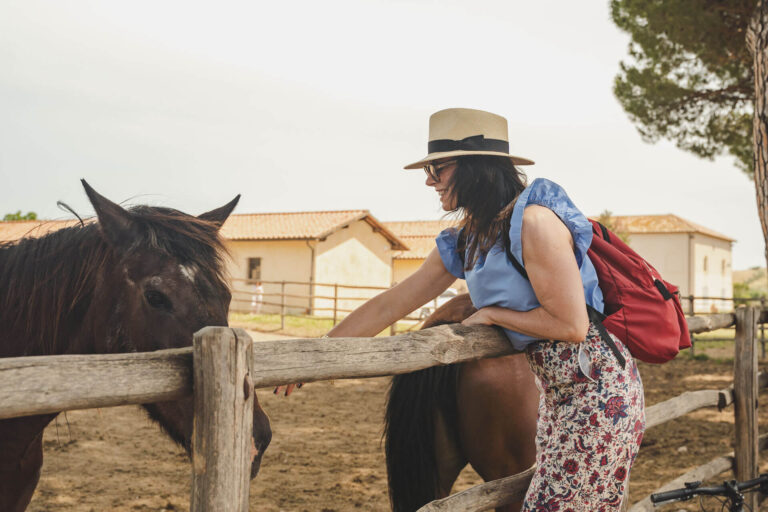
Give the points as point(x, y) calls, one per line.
point(299, 326)
point(719, 334)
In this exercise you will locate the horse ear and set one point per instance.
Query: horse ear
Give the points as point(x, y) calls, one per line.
point(115, 222)
point(219, 215)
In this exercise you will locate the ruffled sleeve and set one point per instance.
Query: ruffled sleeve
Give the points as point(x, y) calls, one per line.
point(446, 246)
point(547, 193)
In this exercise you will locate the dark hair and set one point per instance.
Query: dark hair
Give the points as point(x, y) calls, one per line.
point(485, 188)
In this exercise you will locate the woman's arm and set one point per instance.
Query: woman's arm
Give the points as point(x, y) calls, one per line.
point(429, 281)
point(554, 274)
point(375, 315)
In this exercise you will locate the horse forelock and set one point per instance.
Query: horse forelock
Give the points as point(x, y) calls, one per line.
point(195, 243)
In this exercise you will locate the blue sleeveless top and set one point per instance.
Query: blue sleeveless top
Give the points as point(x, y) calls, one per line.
point(494, 281)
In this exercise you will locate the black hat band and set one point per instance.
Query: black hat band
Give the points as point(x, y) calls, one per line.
point(473, 143)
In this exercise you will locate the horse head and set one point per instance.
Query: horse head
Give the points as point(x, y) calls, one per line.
point(165, 281)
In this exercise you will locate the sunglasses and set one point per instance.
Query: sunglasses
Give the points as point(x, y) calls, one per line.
point(433, 170)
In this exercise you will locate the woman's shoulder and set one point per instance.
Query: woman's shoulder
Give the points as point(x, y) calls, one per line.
point(450, 233)
point(544, 189)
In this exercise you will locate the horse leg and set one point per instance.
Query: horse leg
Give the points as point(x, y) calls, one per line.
point(21, 446)
point(498, 405)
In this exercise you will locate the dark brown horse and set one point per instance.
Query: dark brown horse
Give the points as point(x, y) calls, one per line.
point(440, 419)
point(138, 280)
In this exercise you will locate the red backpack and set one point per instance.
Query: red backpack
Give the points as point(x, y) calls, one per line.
point(641, 309)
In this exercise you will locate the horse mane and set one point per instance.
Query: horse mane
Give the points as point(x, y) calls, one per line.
point(47, 283)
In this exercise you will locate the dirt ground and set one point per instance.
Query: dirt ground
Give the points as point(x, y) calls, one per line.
point(326, 454)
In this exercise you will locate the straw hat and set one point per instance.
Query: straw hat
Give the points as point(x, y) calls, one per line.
point(464, 131)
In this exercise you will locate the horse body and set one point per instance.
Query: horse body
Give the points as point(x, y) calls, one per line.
point(442, 418)
point(140, 280)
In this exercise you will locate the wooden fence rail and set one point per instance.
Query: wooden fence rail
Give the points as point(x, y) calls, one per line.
point(43, 384)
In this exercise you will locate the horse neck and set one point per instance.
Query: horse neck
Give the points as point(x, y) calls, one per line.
point(46, 289)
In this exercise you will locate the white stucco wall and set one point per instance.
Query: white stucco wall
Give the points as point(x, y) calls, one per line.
point(717, 279)
point(679, 257)
point(401, 269)
point(357, 256)
point(668, 253)
point(280, 261)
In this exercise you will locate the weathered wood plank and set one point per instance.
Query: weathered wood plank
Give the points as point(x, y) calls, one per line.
point(485, 496)
point(745, 398)
point(680, 405)
point(223, 421)
point(704, 323)
point(307, 360)
point(45, 384)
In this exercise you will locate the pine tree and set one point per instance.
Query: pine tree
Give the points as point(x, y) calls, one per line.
point(698, 75)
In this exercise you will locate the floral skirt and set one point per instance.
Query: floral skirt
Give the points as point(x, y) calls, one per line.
point(591, 423)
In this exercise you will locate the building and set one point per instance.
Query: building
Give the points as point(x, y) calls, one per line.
point(419, 236)
point(326, 249)
point(693, 257)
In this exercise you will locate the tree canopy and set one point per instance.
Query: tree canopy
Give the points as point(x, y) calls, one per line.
point(689, 76)
point(18, 216)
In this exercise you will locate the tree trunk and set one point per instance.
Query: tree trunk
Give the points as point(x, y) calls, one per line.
point(757, 42)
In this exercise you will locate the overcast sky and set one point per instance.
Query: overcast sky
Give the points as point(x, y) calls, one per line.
point(317, 105)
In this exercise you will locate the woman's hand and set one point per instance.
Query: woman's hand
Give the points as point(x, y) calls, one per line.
point(483, 316)
point(288, 388)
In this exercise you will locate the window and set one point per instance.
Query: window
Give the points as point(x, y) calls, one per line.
point(722, 269)
point(254, 269)
point(706, 261)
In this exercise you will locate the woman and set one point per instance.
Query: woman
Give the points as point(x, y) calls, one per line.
point(591, 412)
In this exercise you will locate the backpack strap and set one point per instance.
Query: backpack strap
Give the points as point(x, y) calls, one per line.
point(594, 315)
point(603, 231)
point(597, 318)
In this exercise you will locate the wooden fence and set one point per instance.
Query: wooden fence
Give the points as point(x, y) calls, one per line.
point(302, 298)
point(225, 365)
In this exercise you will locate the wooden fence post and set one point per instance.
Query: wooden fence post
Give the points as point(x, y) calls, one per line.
point(223, 425)
point(282, 305)
point(335, 301)
point(745, 398)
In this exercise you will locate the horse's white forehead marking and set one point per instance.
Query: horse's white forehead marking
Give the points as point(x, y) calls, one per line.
point(188, 271)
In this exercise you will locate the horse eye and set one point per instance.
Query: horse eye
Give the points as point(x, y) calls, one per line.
point(158, 300)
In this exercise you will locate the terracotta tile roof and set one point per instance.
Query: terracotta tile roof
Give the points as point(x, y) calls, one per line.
point(300, 225)
point(419, 236)
point(419, 227)
point(639, 224)
point(11, 230)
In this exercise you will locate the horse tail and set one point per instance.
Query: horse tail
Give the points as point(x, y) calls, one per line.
point(413, 401)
